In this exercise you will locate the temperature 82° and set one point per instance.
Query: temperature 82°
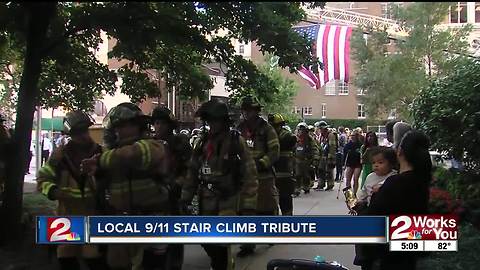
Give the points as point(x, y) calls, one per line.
point(156, 227)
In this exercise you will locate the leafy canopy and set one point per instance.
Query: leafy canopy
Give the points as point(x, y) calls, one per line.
point(392, 80)
point(173, 38)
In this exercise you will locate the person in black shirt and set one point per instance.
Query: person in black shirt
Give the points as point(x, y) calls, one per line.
point(404, 193)
point(351, 152)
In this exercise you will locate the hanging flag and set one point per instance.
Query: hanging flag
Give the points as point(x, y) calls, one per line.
point(331, 44)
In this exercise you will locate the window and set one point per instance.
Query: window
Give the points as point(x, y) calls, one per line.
point(458, 12)
point(241, 49)
point(361, 92)
point(477, 12)
point(297, 110)
point(330, 88)
point(361, 111)
point(343, 88)
point(324, 110)
point(307, 110)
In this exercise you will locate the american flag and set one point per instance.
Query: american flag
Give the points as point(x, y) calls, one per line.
point(331, 44)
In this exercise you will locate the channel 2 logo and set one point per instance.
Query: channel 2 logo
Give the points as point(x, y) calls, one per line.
point(423, 227)
point(57, 230)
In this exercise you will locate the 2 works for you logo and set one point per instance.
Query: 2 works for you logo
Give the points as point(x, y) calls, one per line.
point(51, 230)
point(423, 227)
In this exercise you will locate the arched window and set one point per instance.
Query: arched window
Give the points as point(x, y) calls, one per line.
point(100, 109)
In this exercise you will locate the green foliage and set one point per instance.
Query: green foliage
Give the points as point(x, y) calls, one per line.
point(466, 258)
point(463, 189)
point(447, 111)
point(173, 38)
point(280, 94)
point(393, 81)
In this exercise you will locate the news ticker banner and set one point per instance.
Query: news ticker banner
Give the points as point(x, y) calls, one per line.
point(404, 233)
point(212, 229)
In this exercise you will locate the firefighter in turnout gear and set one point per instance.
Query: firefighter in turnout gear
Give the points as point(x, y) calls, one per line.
point(284, 166)
point(178, 152)
point(223, 172)
point(306, 158)
point(328, 142)
point(60, 179)
point(135, 170)
point(263, 142)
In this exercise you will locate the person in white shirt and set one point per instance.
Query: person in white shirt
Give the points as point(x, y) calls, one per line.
point(46, 148)
point(383, 161)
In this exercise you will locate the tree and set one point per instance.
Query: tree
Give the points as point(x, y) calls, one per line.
point(392, 81)
point(54, 42)
point(282, 92)
point(447, 111)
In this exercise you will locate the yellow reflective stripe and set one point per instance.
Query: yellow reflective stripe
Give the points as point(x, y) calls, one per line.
point(250, 203)
point(46, 186)
point(105, 159)
point(47, 169)
point(148, 153)
point(272, 142)
point(75, 192)
point(143, 149)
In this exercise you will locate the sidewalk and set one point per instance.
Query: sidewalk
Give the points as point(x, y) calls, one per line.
point(315, 203)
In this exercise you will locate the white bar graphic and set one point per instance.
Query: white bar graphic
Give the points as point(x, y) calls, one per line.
point(410, 245)
point(439, 245)
point(239, 240)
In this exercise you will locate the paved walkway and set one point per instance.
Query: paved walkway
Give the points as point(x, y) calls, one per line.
point(315, 203)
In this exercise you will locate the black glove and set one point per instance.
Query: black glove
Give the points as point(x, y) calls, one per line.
point(260, 166)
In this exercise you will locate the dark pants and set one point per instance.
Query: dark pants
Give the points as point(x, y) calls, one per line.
point(172, 259)
point(45, 156)
point(339, 166)
point(29, 160)
point(286, 187)
point(220, 256)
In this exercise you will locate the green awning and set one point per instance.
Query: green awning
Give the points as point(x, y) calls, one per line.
point(55, 124)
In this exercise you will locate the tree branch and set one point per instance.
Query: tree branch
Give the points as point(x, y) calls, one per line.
point(67, 35)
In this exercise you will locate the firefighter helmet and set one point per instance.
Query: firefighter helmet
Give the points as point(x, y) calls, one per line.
point(125, 112)
point(77, 121)
point(321, 124)
point(276, 119)
point(213, 110)
point(163, 113)
point(302, 125)
point(250, 102)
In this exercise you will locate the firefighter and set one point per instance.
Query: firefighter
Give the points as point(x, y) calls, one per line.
point(263, 142)
point(223, 171)
point(61, 179)
point(136, 168)
point(178, 152)
point(328, 142)
point(306, 157)
point(284, 166)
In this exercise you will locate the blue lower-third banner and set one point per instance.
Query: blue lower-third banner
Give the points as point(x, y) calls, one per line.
point(237, 229)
